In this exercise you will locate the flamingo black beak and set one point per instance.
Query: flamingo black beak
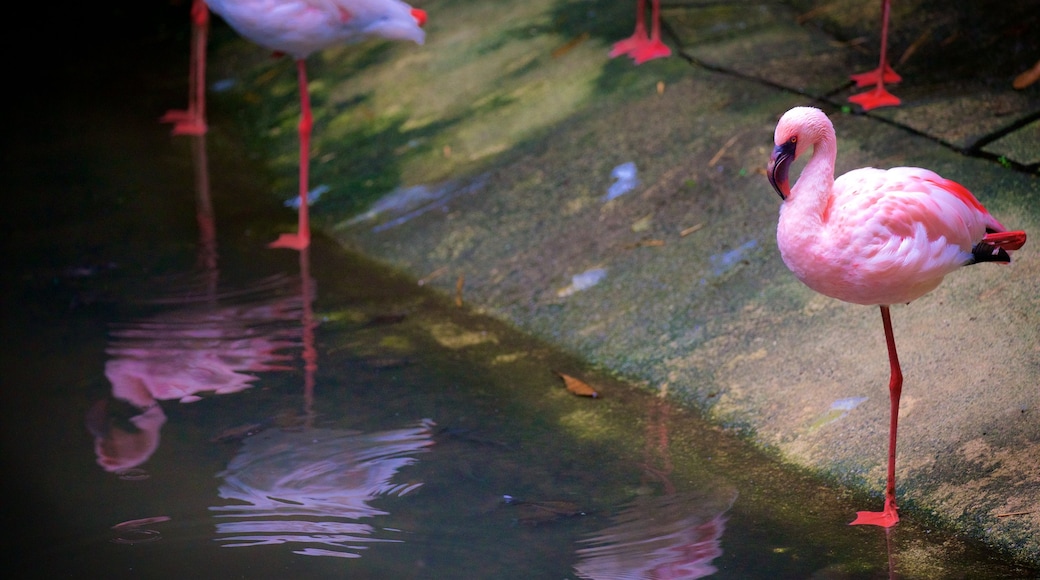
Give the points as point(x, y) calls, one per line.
point(419, 16)
point(779, 163)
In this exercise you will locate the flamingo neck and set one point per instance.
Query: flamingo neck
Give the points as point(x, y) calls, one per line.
point(811, 194)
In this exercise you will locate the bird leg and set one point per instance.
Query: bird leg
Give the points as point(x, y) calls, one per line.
point(888, 517)
point(654, 48)
point(192, 121)
point(878, 96)
point(302, 238)
point(638, 38)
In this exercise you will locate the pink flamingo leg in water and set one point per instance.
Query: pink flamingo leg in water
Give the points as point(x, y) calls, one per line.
point(878, 96)
point(192, 121)
point(302, 238)
point(888, 517)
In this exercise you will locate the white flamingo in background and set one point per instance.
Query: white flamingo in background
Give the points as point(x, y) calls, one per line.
point(875, 237)
point(301, 27)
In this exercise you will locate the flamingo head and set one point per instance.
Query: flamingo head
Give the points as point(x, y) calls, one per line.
point(797, 130)
point(419, 16)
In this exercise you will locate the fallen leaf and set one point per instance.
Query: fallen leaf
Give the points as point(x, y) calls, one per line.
point(433, 275)
point(1008, 514)
point(458, 290)
point(914, 46)
point(570, 44)
point(578, 387)
point(660, 87)
point(1027, 78)
point(691, 229)
point(722, 151)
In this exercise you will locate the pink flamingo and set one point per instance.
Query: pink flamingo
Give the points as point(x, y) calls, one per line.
point(301, 27)
point(640, 46)
point(192, 121)
point(879, 95)
point(875, 237)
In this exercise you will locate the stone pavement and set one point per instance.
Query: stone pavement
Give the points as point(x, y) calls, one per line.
point(958, 61)
point(480, 165)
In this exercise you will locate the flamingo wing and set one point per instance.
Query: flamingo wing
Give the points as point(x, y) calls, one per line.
point(892, 235)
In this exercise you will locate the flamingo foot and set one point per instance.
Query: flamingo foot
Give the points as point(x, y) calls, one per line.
point(651, 50)
point(292, 241)
point(873, 99)
point(871, 77)
point(630, 45)
point(184, 122)
point(885, 518)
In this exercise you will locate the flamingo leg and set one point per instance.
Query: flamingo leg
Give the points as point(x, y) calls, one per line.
point(638, 39)
point(888, 517)
point(654, 48)
point(878, 96)
point(302, 238)
point(192, 121)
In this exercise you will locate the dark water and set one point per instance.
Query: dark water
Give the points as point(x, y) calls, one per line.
point(182, 402)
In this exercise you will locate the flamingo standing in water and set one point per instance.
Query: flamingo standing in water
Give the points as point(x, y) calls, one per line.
point(192, 121)
point(875, 237)
point(641, 46)
point(879, 95)
point(301, 27)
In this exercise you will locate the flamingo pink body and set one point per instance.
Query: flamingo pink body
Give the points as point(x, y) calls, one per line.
point(192, 121)
point(875, 237)
point(879, 95)
point(301, 27)
point(642, 46)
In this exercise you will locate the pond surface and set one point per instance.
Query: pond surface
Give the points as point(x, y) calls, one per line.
point(183, 402)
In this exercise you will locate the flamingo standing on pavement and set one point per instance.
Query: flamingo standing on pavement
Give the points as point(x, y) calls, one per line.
point(879, 95)
point(640, 46)
point(301, 27)
point(192, 121)
point(875, 237)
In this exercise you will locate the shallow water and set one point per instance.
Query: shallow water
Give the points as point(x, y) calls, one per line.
point(183, 402)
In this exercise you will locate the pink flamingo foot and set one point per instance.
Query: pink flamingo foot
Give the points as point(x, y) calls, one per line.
point(871, 77)
point(184, 122)
point(878, 97)
point(885, 518)
point(630, 45)
point(650, 51)
point(292, 241)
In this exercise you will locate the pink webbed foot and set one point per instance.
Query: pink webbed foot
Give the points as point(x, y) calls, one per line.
point(651, 50)
point(871, 77)
point(885, 518)
point(875, 98)
point(629, 45)
point(292, 241)
point(184, 122)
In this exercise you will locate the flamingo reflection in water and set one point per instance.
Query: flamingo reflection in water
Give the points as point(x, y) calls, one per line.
point(674, 535)
point(313, 487)
point(211, 342)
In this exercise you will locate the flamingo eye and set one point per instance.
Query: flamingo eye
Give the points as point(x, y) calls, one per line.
point(793, 140)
